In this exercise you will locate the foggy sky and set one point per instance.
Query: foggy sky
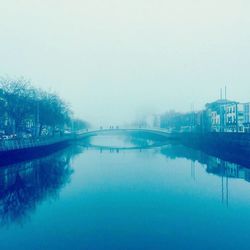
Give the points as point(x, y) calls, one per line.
point(113, 60)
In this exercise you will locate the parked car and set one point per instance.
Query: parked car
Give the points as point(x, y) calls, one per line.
point(26, 136)
point(9, 137)
point(67, 132)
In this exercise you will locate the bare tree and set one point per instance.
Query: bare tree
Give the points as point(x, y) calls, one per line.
point(21, 101)
point(18, 95)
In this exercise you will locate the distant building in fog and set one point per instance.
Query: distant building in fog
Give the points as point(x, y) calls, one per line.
point(219, 116)
point(153, 121)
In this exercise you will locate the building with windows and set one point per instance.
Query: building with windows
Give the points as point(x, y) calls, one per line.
point(234, 117)
point(215, 115)
point(223, 115)
point(246, 122)
point(228, 116)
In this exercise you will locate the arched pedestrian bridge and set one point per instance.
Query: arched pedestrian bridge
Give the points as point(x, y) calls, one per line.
point(156, 133)
point(156, 136)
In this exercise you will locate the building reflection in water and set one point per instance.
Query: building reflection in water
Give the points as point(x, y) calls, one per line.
point(24, 185)
point(226, 170)
point(223, 168)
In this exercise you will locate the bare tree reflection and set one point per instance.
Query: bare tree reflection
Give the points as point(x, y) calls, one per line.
point(23, 186)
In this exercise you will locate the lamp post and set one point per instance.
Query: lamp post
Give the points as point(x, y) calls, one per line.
point(37, 118)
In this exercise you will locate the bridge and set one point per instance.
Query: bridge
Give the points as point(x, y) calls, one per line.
point(158, 137)
point(145, 132)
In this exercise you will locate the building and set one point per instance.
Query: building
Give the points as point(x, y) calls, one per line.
point(228, 116)
point(234, 117)
point(152, 121)
point(215, 115)
point(215, 121)
point(222, 116)
point(246, 121)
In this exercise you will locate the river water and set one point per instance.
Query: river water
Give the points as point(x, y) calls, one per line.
point(116, 195)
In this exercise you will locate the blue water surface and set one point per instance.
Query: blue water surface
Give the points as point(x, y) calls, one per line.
point(168, 197)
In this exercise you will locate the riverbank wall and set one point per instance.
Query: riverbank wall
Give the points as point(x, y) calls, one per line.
point(235, 142)
point(228, 146)
point(21, 149)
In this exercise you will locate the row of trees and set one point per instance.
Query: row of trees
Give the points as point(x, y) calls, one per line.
point(184, 122)
point(20, 102)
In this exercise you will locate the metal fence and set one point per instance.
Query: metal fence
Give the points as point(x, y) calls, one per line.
point(17, 144)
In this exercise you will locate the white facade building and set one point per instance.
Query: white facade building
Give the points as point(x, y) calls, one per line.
point(234, 117)
point(247, 117)
point(228, 116)
point(215, 121)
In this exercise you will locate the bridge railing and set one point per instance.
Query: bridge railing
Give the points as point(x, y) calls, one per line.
point(156, 129)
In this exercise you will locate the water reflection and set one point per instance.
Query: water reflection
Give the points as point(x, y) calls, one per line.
point(23, 186)
point(213, 165)
point(122, 142)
